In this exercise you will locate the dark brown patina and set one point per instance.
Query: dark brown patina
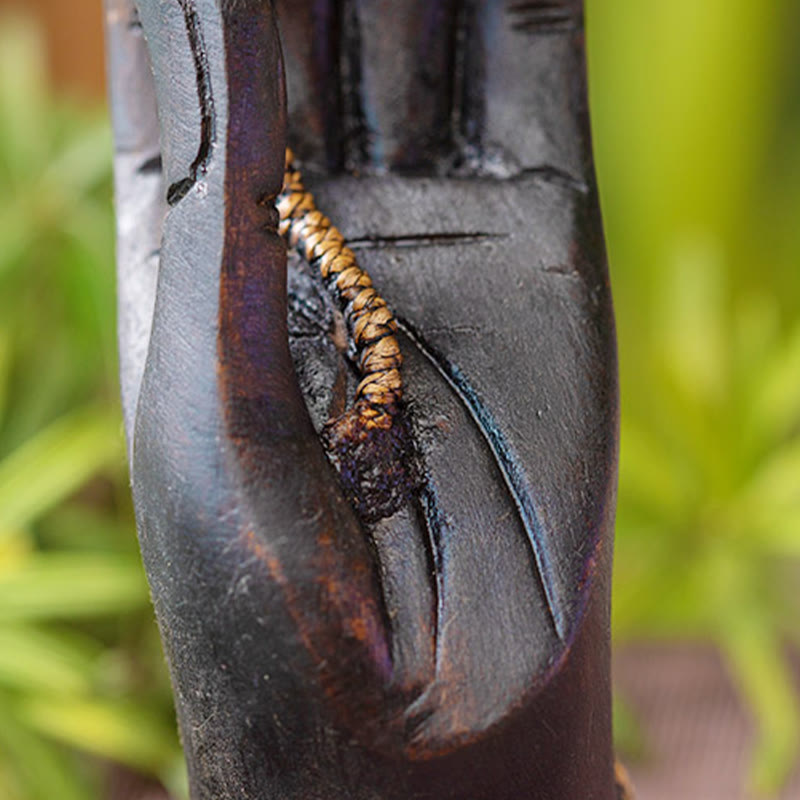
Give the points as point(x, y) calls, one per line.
point(428, 617)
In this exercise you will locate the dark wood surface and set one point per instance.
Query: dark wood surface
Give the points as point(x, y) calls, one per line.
point(695, 737)
point(454, 642)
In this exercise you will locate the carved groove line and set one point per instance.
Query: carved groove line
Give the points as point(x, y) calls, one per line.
point(424, 240)
point(506, 463)
point(434, 524)
point(178, 190)
point(543, 17)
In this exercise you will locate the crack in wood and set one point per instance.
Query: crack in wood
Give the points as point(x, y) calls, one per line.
point(433, 523)
point(443, 239)
point(545, 17)
point(179, 189)
point(564, 270)
point(555, 176)
point(507, 465)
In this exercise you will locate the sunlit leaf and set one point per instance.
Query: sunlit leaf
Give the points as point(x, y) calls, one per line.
point(122, 731)
point(61, 585)
point(34, 659)
point(690, 314)
point(776, 484)
point(778, 403)
point(175, 778)
point(83, 527)
point(44, 772)
point(764, 678)
point(83, 163)
point(55, 463)
point(628, 736)
point(649, 474)
point(5, 363)
point(23, 117)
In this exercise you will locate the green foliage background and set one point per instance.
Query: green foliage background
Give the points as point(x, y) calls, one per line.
point(81, 675)
point(696, 114)
point(697, 140)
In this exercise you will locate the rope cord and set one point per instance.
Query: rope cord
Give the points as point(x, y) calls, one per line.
point(370, 323)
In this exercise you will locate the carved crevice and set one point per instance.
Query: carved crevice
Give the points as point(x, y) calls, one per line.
point(508, 467)
point(179, 189)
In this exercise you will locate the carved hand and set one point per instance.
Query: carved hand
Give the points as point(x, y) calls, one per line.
point(421, 612)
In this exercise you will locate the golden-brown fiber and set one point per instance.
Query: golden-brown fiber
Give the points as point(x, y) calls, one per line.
point(369, 320)
point(623, 782)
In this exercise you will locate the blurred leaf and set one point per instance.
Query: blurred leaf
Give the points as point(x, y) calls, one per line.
point(23, 122)
point(81, 165)
point(53, 464)
point(652, 476)
point(776, 484)
point(690, 315)
point(5, 363)
point(14, 551)
point(771, 502)
point(79, 526)
point(63, 563)
point(762, 675)
point(780, 534)
point(628, 736)
point(778, 402)
point(176, 779)
point(696, 129)
point(44, 772)
point(123, 731)
point(17, 232)
point(39, 660)
point(61, 586)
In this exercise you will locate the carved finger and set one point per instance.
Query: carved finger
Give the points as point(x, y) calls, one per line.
point(523, 101)
point(263, 583)
point(405, 71)
point(311, 32)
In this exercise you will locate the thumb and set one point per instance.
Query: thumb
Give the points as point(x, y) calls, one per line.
point(244, 532)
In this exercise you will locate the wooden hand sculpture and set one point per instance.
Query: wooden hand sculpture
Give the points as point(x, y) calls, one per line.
point(375, 487)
